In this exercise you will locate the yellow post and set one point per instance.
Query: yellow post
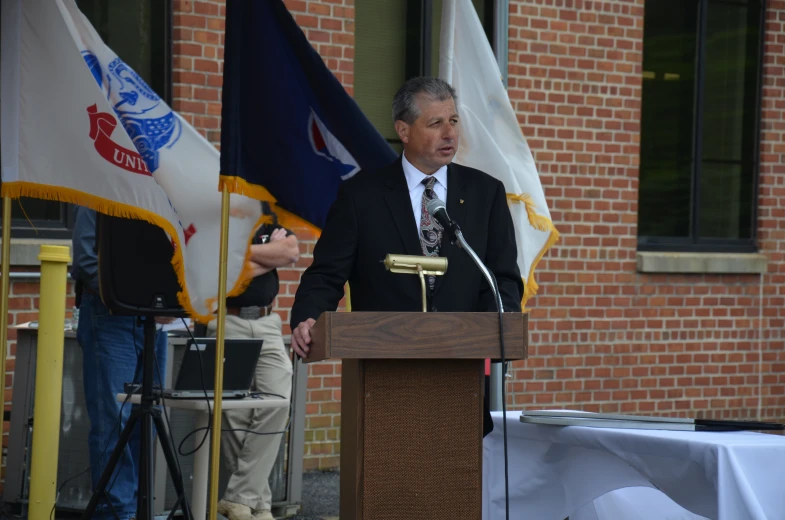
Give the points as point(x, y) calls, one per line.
point(215, 441)
point(6, 288)
point(48, 380)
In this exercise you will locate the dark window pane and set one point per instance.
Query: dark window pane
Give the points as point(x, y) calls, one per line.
point(35, 209)
point(391, 37)
point(134, 30)
point(729, 129)
point(379, 61)
point(667, 117)
point(726, 201)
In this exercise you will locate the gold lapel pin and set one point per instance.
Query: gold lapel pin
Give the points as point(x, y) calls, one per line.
point(461, 201)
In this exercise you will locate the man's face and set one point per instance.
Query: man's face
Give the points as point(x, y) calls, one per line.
point(432, 140)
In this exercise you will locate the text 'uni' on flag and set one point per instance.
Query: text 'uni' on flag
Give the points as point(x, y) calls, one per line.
point(491, 138)
point(290, 133)
point(80, 126)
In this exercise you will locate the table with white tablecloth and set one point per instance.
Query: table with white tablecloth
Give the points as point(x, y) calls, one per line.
point(587, 473)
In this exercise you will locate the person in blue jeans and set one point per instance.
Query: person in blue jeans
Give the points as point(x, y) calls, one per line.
point(112, 356)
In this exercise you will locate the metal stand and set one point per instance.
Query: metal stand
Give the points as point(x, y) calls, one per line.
point(150, 415)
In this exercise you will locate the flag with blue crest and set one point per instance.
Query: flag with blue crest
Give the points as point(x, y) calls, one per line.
point(81, 126)
point(290, 133)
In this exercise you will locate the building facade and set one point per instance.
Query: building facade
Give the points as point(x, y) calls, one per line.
point(658, 129)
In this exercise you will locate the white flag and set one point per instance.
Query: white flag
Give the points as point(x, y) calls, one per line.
point(491, 139)
point(79, 126)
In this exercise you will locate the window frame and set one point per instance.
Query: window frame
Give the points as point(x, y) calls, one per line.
point(419, 48)
point(62, 228)
point(694, 243)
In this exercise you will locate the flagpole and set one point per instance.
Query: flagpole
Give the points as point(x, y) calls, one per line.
point(6, 288)
point(215, 444)
point(447, 40)
point(500, 29)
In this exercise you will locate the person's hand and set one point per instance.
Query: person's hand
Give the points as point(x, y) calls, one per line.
point(301, 338)
point(278, 234)
point(164, 320)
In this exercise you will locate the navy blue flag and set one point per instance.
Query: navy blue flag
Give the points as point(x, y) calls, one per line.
point(289, 130)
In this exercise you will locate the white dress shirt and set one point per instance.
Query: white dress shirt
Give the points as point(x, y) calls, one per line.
point(414, 178)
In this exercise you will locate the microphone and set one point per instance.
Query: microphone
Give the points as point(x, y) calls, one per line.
point(438, 210)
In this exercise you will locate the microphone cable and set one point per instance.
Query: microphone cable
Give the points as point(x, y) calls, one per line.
point(504, 395)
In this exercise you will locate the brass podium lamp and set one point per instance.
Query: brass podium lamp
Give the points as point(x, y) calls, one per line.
point(419, 265)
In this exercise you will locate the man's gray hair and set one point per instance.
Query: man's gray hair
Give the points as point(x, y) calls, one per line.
point(404, 105)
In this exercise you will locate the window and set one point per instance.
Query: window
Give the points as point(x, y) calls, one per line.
point(700, 125)
point(138, 31)
point(396, 40)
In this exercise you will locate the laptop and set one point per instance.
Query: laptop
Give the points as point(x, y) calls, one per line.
point(197, 369)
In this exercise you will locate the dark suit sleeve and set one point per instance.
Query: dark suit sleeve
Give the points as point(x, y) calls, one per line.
point(502, 256)
point(322, 284)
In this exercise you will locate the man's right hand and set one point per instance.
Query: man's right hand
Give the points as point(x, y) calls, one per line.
point(301, 338)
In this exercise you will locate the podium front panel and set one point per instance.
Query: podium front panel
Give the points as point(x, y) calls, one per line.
point(415, 462)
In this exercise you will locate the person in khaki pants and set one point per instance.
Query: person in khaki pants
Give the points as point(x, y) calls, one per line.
point(250, 457)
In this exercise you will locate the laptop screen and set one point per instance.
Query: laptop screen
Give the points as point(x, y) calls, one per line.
point(197, 369)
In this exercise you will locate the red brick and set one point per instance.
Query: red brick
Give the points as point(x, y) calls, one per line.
point(188, 20)
point(187, 49)
point(319, 9)
point(295, 5)
point(208, 37)
point(206, 8)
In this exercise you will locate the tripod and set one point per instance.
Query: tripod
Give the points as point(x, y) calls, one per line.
point(150, 416)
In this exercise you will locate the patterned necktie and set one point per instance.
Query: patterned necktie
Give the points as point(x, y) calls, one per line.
point(430, 229)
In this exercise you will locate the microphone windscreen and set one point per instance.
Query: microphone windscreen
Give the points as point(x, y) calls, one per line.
point(434, 205)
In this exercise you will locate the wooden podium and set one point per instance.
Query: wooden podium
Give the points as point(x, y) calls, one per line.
point(411, 408)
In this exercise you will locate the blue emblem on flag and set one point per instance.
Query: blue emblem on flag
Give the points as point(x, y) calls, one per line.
point(150, 123)
point(94, 65)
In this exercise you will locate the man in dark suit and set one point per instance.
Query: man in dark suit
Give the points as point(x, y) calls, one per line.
point(383, 211)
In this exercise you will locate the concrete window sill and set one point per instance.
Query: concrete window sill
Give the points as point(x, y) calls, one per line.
point(24, 251)
point(701, 263)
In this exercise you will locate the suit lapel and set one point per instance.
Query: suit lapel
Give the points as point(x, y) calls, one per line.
point(456, 207)
point(400, 204)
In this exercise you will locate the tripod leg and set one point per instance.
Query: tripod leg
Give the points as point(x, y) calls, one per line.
point(171, 462)
point(145, 509)
point(146, 493)
point(117, 452)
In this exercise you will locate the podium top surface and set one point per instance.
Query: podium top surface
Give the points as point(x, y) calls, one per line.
point(417, 335)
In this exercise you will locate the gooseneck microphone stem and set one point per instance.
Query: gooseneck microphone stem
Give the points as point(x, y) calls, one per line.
point(461, 242)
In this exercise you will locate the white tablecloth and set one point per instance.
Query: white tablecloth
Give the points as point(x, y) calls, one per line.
point(556, 472)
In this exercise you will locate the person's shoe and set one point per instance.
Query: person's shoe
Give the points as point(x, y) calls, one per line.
point(263, 515)
point(234, 511)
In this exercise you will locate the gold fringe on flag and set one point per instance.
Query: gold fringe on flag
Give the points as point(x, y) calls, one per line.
point(539, 223)
point(287, 219)
point(19, 189)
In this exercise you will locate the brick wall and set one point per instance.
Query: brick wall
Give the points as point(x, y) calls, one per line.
point(771, 215)
point(604, 337)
